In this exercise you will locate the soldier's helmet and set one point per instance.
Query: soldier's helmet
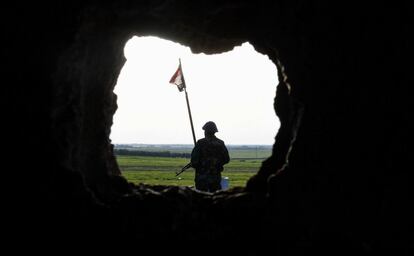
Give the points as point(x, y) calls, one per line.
point(210, 127)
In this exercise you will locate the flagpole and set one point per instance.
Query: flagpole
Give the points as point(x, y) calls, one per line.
point(188, 104)
point(189, 114)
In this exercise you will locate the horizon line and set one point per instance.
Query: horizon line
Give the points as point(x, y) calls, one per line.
point(135, 143)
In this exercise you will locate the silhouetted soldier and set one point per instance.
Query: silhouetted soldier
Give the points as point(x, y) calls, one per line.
point(208, 157)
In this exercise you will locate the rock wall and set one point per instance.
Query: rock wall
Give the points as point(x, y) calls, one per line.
point(339, 172)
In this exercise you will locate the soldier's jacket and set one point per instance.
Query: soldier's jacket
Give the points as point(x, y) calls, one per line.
point(209, 155)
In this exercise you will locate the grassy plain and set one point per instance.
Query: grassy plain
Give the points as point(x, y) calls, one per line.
point(161, 170)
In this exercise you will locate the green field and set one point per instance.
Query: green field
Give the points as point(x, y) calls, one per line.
point(161, 170)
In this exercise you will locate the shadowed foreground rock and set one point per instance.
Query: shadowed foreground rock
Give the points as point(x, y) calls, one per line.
point(340, 174)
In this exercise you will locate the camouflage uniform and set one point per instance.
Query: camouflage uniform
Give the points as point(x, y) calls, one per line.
point(208, 157)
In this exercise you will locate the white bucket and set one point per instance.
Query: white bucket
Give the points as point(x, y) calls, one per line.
point(224, 182)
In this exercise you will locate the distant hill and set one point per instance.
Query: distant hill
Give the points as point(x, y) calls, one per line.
point(184, 150)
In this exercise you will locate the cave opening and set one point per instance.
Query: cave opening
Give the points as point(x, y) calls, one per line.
point(151, 128)
point(344, 129)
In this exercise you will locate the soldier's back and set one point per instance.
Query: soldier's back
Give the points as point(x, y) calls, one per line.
point(211, 146)
point(212, 153)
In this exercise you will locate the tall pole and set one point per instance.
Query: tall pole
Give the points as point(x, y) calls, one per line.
point(188, 104)
point(189, 114)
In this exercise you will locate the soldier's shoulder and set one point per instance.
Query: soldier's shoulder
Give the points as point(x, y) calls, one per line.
point(202, 141)
point(219, 140)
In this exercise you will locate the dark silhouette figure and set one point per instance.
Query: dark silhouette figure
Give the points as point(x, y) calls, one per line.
point(208, 157)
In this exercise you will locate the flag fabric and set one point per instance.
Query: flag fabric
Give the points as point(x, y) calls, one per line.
point(178, 79)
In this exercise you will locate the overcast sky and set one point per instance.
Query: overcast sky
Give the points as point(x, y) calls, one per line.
point(235, 90)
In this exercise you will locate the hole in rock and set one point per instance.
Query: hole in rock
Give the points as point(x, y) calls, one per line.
point(152, 130)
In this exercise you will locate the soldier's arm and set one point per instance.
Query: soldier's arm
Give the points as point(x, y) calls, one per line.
point(226, 157)
point(195, 156)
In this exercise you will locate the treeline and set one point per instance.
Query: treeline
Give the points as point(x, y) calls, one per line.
point(125, 152)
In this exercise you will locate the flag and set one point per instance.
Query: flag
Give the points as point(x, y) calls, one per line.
point(178, 79)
